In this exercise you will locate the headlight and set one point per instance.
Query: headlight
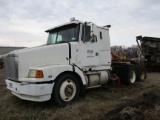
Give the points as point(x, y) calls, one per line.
point(35, 74)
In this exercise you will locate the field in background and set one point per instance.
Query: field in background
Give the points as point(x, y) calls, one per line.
point(137, 102)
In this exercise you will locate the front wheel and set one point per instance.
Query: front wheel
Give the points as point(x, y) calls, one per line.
point(66, 90)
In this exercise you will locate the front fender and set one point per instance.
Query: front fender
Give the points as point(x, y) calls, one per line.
point(52, 71)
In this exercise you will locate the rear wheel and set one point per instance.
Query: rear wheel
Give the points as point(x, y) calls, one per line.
point(130, 77)
point(142, 75)
point(66, 90)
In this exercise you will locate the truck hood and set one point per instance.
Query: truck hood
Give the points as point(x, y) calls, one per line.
point(37, 56)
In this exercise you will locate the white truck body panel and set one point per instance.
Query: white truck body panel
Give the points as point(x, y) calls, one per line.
point(41, 56)
point(51, 72)
point(27, 91)
point(92, 54)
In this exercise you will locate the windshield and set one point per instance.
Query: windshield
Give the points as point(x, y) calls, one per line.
point(68, 33)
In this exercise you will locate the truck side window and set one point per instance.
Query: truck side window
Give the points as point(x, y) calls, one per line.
point(59, 38)
point(86, 33)
point(94, 37)
point(52, 38)
point(100, 34)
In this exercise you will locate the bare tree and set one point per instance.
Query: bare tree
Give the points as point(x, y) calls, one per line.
point(129, 52)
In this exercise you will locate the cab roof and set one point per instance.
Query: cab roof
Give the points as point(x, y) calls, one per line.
point(76, 22)
point(68, 23)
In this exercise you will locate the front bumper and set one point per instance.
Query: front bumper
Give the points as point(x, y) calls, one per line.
point(30, 91)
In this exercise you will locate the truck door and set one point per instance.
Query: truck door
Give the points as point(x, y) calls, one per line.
point(89, 48)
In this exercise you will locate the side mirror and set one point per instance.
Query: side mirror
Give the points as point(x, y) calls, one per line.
point(87, 33)
point(93, 38)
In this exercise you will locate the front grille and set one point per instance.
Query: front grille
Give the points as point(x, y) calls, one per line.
point(11, 66)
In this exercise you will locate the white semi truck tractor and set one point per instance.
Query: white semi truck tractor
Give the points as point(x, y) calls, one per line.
point(76, 57)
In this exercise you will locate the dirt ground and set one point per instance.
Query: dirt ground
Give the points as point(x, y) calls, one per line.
point(140, 101)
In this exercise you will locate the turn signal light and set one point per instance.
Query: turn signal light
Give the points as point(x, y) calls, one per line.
point(39, 74)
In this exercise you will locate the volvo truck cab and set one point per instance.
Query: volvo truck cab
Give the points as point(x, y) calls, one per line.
point(76, 57)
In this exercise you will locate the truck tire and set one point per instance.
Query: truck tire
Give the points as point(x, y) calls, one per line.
point(130, 78)
point(66, 90)
point(142, 74)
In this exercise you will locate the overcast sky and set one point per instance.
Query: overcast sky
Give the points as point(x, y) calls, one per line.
point(23, 22)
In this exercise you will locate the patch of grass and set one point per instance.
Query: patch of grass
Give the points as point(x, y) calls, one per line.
point(139, 101)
